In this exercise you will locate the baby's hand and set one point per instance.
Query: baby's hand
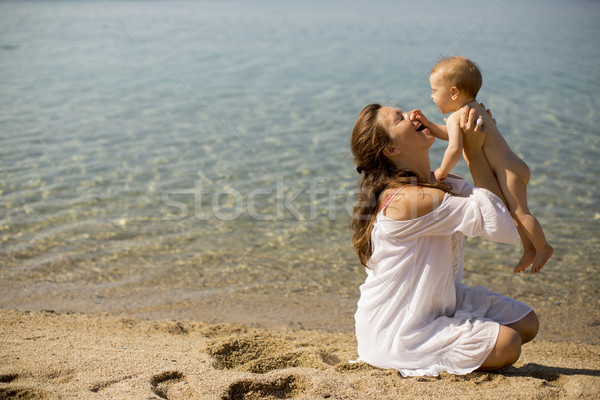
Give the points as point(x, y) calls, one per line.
point(440, 175)
point(417, 115)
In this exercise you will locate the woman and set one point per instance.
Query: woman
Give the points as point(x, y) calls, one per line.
point(414, 314)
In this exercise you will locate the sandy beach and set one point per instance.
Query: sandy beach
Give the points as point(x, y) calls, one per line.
point(49, 355)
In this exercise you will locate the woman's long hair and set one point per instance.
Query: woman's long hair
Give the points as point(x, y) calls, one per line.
point(378, 173)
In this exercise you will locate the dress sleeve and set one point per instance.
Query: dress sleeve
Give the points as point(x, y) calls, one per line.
point(460, 186)
point(478, 213)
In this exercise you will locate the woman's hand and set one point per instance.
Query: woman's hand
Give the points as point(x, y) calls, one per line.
point(488, 111)
point(473, 132)
point(473, 139)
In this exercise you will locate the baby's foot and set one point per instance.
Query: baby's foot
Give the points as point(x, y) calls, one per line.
point(541, 258)
point(526, 259)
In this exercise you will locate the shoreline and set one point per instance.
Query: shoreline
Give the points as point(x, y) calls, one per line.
point(52, 355)
point(566, 320)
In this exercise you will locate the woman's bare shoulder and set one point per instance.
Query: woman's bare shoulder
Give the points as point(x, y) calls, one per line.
point(413, 202)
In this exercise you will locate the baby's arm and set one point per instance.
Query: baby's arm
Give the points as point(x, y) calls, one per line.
point(454, 149)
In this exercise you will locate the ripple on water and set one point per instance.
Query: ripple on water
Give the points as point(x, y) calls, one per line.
point(112, 172)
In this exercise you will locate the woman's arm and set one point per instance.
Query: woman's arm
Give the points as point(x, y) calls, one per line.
point(473, 138)
point(418, 212)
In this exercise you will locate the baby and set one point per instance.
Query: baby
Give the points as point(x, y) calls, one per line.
point(455, 82)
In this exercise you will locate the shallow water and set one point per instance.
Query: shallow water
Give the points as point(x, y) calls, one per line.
point(189, 148)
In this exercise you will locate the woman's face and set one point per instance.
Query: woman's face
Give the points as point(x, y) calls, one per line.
point(403, 131)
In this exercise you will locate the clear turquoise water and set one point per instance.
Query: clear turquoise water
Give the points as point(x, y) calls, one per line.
point(191, 147)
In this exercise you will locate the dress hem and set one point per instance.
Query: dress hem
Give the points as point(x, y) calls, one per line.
point(439, 367)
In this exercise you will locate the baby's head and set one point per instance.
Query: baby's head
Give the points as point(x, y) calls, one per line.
point(454, 81)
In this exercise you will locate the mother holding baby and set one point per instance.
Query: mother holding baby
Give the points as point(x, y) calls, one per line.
point(414, 314)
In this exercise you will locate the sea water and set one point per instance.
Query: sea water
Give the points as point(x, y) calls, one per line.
point(194, 147)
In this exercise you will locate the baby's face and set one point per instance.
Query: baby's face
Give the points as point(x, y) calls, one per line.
point(440, 92)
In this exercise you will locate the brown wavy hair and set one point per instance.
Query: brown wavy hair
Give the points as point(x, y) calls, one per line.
point(378, 173)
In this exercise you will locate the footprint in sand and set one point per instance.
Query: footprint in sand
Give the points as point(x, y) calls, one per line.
point(172, 384)
point(105, 384)
point(23, 393)
point(15, 392)
point(8, 378)
point(284, 387)
point(262, 352)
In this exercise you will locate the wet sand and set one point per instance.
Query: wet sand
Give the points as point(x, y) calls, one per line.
point(49, 355)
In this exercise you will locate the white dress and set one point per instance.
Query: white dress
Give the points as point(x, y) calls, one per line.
point(414, 314)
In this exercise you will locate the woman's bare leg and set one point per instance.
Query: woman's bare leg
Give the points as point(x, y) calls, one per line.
point(527, 327)
point(506, 351)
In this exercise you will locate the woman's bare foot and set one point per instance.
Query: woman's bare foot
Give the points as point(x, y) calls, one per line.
point(541, 258)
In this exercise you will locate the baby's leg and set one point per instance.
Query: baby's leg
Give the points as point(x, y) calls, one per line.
point(528, 248)
point(513, 183)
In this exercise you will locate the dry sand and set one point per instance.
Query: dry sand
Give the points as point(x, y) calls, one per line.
point(48, 355)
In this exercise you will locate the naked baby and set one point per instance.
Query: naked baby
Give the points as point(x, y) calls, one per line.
point(455, 82)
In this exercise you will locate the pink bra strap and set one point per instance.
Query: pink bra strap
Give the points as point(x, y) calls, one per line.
point(390, 198)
